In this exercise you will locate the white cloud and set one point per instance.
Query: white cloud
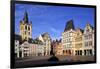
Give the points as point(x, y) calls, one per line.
point(54, 38)
point(55, 30)
point(56, 33)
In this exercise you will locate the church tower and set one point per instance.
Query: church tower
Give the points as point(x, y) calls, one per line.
point(25, 27)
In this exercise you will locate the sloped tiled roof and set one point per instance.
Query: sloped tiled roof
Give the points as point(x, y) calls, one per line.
point(45, 35)
point(69, 25)
point(25, 19)
point(82, 30)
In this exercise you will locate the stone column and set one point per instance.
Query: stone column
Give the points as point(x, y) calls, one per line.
point(18, 54)
point(22, 52)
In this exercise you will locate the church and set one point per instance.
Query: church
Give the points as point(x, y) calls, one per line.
point(25, 28)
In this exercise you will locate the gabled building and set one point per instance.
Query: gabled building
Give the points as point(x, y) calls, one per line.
point(37, 46)
point(55, 44)
point(25, 28)
point(31, 48)
point(88, 40)
point(68, 38)
point(58, 48)
point(45, 38)
point(36, 49)
point(79, 42)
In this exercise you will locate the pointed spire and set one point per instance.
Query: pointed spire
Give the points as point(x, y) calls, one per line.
point(25, 19)
point(69, 25)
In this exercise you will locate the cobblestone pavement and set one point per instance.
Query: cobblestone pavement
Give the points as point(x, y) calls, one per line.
point(43, 60)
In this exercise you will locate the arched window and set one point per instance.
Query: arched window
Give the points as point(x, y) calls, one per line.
point(26, 27)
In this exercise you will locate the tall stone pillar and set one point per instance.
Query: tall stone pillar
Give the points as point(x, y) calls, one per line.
point(18, 54)
point(22, 53)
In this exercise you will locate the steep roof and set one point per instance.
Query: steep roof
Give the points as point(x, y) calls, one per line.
point(82, 30)
point(37, 41)
point(43, 35)
point(69, 25)
point(30, 40)
point(25, 19)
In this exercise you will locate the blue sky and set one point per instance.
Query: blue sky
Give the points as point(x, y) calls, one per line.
point(52, 19)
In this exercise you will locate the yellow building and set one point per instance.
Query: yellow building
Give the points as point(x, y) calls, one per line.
point(25, 27)
point(78, 50)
